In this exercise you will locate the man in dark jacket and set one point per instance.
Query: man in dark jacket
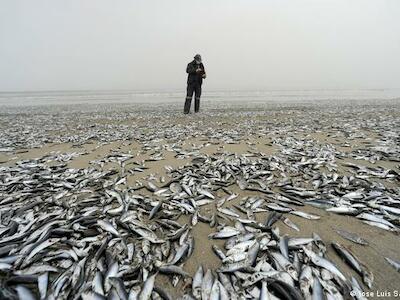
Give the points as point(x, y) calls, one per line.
point(196, 74)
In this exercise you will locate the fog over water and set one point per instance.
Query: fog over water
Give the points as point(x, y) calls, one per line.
point(246, 44)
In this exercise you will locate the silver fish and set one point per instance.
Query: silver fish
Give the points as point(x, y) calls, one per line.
point(394, 263)
point(351, 237)
point(147, 288)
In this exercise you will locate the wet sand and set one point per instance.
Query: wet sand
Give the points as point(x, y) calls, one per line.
point(175, 149)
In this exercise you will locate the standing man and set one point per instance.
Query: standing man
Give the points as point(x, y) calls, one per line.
point(196, 74)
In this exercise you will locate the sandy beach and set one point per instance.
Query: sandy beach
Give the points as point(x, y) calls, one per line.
point(332, 137)
point(199, 150)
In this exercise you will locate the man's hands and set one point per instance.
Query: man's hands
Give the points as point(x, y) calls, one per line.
point(201, 71)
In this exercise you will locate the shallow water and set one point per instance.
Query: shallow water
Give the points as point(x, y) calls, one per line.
point(123, 96)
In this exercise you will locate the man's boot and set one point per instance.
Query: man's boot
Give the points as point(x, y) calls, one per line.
point(196, 105)
point(188, 102)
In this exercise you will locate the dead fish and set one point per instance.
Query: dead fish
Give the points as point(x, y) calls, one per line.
point(306, 280)
point(381, 225)
point(206, 284)
point(108, 227)
point(304, 215)
point(228, 212)
point(343, 210)
point(237, 266)
point(376, 219)
point(355, 263)
point(176, 188)
point(284, 246)
point(295, 242)
point(351, 237)
point(219, 252)
point(226, 232)
point(24, 293)
point(272, 218)
point(278, 208)
point(394, 263)
point(172, 269)
point(43, 281)
point(147, 288)
point(205, 193)
point(324, 263)
point(196, 283)
point(49, 211)
point(155, 210)
point(290, 224)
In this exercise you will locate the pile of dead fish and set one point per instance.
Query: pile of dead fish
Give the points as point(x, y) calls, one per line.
point(83, 123)
point(70, 234)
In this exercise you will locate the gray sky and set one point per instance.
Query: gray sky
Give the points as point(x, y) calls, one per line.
point(245, 44)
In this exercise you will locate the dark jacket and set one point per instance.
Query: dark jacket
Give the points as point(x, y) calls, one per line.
point(193, 76)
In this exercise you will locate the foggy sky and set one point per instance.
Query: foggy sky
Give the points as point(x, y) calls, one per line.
point(245, 44)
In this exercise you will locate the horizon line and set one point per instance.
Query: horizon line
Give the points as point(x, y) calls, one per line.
point(149, 90)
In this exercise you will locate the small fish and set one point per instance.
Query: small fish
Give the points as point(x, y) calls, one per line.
point(343, 210)
point(5, 266)
point(219, 252)
point(108, 227)
point(381, 225)
point(119, 287)
point(155, 210)
point(284, 246)
point(295, 242)
point(196, 283)
point(24, 293)
point(147, 288)
point(290, 224)
point(237, 266)
point(351, 237)
point(306, 280)
point(171, 269)
point(226, 232)
point(206, 284)
point(375, 219)
point(278, 208)
point(151, 186)
point(205, 193)
point(305, 215)
point(228, 212)
point(43, 281)
point(317, 292)
point(394, 263)
point(272, 218)
point(252, 253)
point(355, 263)
point(324, 263)
point(281, 262)
point(176, 188)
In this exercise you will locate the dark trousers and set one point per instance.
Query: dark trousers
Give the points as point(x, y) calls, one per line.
point(196, 89)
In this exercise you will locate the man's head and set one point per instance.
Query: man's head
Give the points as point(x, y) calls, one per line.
point(197, 58)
